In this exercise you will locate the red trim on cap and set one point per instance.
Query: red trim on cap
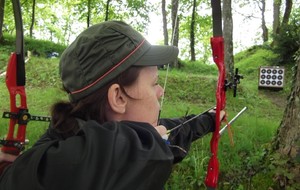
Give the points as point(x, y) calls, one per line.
point(112, 69)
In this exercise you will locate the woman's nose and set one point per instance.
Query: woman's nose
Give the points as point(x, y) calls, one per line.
point(160, 92)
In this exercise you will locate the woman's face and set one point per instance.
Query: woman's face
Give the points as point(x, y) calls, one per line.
point(145, 92)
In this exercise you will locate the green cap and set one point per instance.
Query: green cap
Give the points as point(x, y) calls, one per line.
point(102, 52)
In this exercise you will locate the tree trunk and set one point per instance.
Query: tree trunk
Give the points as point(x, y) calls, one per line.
point(107, 10)
point(164, 18)
point(265, 33)
point(175, 21)
point(276, 16)
point(88, 20)
point(287, 12)
point(32, 19)
point(228, 44)
point(175, 27)
point(192, 32)
point(2, 2)
point(165, 23)
point(287, 141)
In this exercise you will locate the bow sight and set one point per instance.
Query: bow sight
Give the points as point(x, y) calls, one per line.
point(234, 83)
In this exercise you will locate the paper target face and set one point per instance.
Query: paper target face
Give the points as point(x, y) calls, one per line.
point(271, 77)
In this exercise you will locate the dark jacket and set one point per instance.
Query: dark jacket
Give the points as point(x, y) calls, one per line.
point(112, 156)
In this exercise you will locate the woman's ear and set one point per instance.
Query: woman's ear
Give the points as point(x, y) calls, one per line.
point(117, 100)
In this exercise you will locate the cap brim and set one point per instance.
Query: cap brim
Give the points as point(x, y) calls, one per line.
point(158, 55)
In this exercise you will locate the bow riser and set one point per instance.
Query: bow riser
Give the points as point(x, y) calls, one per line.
point(18, 107)
point(217, 44)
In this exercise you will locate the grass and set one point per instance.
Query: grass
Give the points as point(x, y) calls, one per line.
point(189, 89)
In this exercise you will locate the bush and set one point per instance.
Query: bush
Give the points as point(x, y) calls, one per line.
point(288, 39)
point(37, 47)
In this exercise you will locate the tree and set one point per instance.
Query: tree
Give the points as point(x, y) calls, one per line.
point(192, 32)
point(287, 141)
point(175, 23)
point(228, 44)
point(88, 19)
point(106, 10)
point(265, 33)
point(2, 3)
point(164, 18)
point(288, 39)
point(276, 16)
point(277, 26)
point(287, 12)
point(32, 19)
point(175, 27)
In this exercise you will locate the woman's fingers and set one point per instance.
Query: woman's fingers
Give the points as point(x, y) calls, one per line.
point(4, 157)
point(162, 130)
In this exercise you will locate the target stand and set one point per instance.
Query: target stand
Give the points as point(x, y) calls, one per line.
point(271, 77)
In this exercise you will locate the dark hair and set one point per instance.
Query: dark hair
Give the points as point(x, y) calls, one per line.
point(91, 107)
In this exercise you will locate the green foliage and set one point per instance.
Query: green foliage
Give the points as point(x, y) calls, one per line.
point(279, 167)
point(190, 173)
point(59, 21)
point(202, 30)
point(254, 57)
point(43, 47)
point(297, 55)
point(37, 47)
point(288, 39)
point(42, 72)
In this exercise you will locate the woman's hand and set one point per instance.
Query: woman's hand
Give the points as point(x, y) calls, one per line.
point(5, 160)
point(222, 113)
point(162, 130)
point(4, 157)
